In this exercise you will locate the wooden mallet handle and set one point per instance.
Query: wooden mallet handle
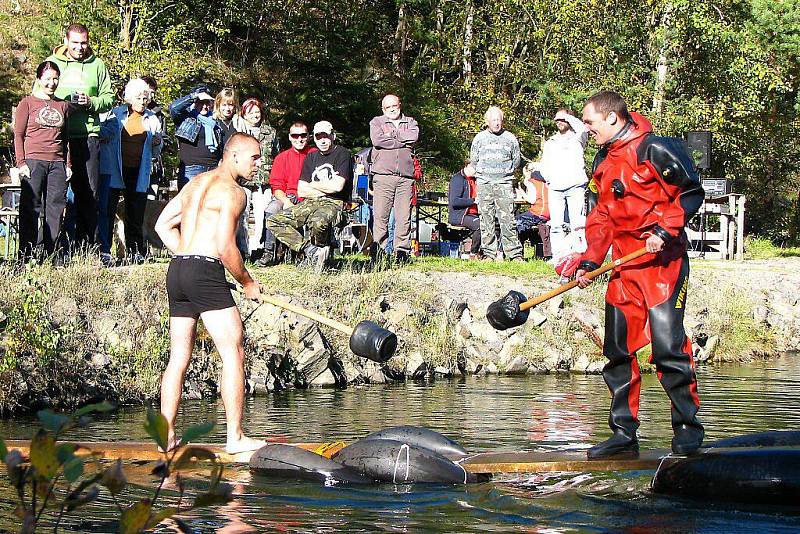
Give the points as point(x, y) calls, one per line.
point(336, 325)
point(528, 304)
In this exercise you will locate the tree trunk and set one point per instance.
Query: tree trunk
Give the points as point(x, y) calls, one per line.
point(662, 64)
point(125, 25)
point(438, 46)
point(401, 40)
point(467, 50)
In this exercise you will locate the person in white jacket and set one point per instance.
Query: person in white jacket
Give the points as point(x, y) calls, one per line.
point(562, 165)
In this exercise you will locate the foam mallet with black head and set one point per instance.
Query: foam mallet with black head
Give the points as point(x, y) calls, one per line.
point(513, 309)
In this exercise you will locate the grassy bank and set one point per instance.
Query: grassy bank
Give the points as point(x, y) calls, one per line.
point(82, 333)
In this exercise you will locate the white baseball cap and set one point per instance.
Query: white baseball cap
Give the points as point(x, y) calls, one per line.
point(203, 96)
point(323, 127)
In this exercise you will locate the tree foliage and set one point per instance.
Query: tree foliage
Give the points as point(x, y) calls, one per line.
point(729, 66)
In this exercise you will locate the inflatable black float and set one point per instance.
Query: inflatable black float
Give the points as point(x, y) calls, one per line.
point(754, 469)
point(398, 455)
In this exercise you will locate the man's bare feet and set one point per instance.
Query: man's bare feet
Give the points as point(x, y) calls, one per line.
point(172, 443)
point(243, 444)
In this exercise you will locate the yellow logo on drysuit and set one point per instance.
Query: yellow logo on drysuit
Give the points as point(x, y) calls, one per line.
point(682, 294)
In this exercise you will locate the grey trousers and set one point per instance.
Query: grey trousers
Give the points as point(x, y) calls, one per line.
point(392, 192)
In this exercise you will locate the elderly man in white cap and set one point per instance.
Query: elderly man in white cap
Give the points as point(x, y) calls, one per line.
point(198, 134)
point(325, 184)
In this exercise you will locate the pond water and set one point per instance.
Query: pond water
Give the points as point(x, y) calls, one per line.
point(549, 412)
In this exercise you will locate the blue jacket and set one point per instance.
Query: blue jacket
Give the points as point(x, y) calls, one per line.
point(458, 199)
point(111, 148)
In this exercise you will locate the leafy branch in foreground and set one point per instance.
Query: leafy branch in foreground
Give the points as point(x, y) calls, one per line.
point(53, 469)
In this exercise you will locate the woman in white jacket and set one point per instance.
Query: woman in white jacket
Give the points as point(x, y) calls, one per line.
point(131, 138)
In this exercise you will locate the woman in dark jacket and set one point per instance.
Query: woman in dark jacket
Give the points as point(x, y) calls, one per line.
point(462, 209)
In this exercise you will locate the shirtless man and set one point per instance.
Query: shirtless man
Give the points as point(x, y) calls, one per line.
point(199, 227)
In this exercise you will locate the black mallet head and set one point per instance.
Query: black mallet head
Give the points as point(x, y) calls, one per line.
point(371, 341)
point(505, 313)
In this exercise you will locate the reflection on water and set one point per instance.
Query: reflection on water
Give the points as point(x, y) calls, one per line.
point(491, 413)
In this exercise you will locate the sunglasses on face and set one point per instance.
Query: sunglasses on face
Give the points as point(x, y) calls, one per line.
point(299, 135)
point(321, 135)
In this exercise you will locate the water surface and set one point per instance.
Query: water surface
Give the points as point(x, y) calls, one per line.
point(550, 412)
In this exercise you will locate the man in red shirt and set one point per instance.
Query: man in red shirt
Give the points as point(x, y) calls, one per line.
point(283, 181)
point(648, 191)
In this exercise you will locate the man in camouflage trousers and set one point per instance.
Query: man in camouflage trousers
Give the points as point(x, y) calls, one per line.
point(325, 183)
point(495, 155)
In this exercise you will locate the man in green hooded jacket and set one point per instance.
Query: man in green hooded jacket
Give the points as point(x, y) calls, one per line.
point(85, 81)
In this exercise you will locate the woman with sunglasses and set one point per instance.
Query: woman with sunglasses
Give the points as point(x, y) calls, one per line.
point(251, 121)
point(40, 154)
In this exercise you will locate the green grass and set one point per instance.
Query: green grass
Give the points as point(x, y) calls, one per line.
point(759, 248)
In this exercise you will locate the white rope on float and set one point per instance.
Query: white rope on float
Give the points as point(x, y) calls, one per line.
point(397, 462)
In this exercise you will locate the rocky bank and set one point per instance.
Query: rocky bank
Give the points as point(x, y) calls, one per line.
point(112, 342)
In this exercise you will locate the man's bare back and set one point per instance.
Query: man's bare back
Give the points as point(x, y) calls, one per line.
point(206, 199)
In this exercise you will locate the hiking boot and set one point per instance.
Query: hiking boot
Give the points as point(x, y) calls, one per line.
point(266, 259)
point(316, 256)
point(619, 444)
point(402, 257)
point(687, 439)
point(107, 259)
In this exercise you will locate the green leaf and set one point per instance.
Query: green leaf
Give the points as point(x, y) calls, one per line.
point(114, 478)
point(43, 454)
point(195, 431)
point(134, 519)
point(73, 469)
point(65, 452)
point(191, 455)
point(161, 515)
point(3, 450)
point(52, 421)
point(157, 428)
point(104, 406)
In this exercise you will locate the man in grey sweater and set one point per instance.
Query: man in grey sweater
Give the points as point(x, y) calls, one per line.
point(393, 136)
point(495, 156)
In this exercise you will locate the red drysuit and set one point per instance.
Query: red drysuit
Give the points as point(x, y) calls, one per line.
point(646, 185)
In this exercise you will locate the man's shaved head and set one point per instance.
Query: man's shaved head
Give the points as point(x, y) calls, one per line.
point(242, 156)
point(238, 142)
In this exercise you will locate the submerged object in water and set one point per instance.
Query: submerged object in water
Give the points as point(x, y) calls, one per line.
point(287, 461)
point(775, 438)
point(755, 469)
point(421, 437)
point(400, 463)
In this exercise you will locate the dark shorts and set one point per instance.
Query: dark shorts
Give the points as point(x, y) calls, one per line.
point(197, 284)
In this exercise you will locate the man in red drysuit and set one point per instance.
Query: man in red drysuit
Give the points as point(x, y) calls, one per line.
point(648, 189)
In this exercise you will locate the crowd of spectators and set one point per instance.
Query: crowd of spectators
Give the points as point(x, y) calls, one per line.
point(78, 155)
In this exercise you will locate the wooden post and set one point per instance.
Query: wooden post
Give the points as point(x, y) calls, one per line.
point(723, 241)
point(740, 229)
point(732, 226)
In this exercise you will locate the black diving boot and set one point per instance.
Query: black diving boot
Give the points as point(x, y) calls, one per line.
point(618, 444)
point(687, 438)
